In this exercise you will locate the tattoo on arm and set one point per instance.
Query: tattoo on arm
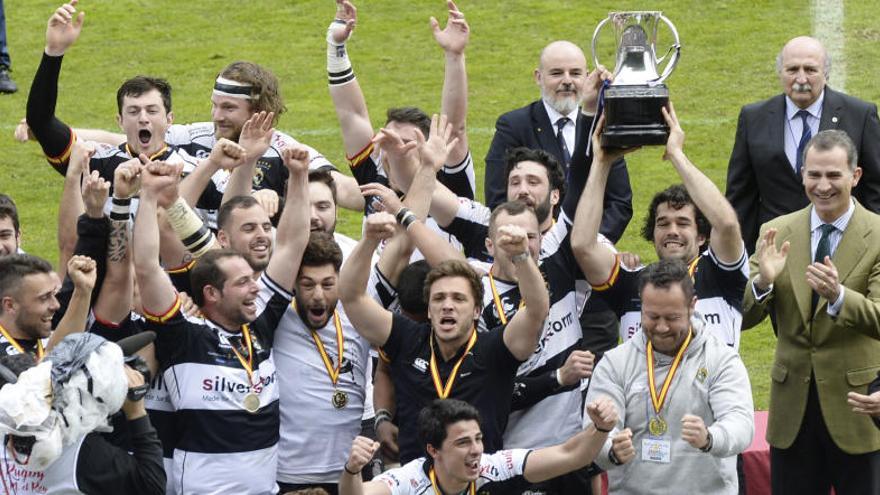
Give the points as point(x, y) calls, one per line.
point(117, 245)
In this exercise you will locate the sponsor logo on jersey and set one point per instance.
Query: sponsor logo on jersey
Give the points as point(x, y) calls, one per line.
point(420, 364)
point(228, 385)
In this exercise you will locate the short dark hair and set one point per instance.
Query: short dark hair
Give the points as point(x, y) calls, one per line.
point(326, 178)
point(677, 197)
point(410, 115)
point(243, 201)
point(139, 85)
point(10, 211)
point(207, 272)
point(512, 208)
point(321, 250)
point(266, 90)
point(15, 267)
point(834, 138)
point(455, 268)
point(410, 288)
point(436, 417)
point(664, 273)
point(555, 173)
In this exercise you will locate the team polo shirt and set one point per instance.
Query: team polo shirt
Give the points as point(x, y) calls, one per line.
point(484, 380)
point(413, 479)
point(719, 289)
point(198, 139)
point(308, 416)
point(222, 448)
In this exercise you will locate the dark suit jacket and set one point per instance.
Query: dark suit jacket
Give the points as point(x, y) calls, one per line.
point(530, 126)
point(761, 182)
point(842, 353)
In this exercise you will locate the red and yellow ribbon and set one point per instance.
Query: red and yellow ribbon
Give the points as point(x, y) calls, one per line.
point(496, 298)
point(39, 351)
point(444, 389)
point(249, 364)
point(340, 346)
point(656, 400)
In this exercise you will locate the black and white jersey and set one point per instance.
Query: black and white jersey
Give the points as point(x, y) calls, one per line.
point(366, 167)
point(719, 289)
point(528, 428)
point(309, 416)
point(208, 386)
point(484, 380)
point(413, 477)
point(198, 139)
point(28, 346)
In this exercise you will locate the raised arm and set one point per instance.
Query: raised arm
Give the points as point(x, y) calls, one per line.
point(453, 39)
point(726, 238)
point(114, 300)
point(83, 272)
point(595, 259)
point(71, 205)
point(292, 236)
point(54, 136)
point(522, 333)
point(345, 91)
point(370, 319)
point(225, 155)
point(577, 451)
point(350, 483)
point(159, 182)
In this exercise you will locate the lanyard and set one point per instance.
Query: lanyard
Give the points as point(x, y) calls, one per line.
point(19, 348)
point(249, 364)
point(496, 298)
point(443, 390)
point(656, 400)
point(471, 489)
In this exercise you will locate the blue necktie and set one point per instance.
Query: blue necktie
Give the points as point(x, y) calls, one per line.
point(823, 249)
point(805, 138)
point(560, 138)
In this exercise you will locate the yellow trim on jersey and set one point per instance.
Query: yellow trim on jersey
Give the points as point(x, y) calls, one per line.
point(65, 155)
point(162, 318)
point(612, 279)
point(361, 156)
point(181, 269)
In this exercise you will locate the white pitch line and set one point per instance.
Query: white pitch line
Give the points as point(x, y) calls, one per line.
point(828, 28)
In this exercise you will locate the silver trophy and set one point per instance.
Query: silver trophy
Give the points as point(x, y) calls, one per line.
point(635, 97)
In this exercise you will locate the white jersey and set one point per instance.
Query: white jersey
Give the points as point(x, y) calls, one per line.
point(316, 435)
point(57, 479)
point(412, 478)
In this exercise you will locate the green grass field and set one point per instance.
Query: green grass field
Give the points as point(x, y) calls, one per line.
point(727, 61)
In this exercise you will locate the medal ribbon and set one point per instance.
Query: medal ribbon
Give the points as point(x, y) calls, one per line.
point(443, 390)
point(496, 298)
point(18, 346)
point(249, 364)
point(340, 346)
point(655, 400)
point(472, 486)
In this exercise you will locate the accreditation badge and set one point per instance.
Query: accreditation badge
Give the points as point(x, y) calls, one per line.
point(656, 450)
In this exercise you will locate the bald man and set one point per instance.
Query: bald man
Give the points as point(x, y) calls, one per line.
point(568, 91)
point(763, 177)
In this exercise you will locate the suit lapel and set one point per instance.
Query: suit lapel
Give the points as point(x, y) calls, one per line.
point(544, 129)
point(832, 110)
point(852, 244)
point(776, 127)
point(798, 259)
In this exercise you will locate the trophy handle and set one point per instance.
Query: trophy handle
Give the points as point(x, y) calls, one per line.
point(670, 66)
point(596, 41)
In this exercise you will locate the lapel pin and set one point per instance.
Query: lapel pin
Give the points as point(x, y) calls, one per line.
point(834, 119)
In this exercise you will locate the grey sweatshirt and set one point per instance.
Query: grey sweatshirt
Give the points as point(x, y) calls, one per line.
point(711, 383)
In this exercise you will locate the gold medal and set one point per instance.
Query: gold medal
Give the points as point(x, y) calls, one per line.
point(251, 403)
point(657, 426)
point(340, 399)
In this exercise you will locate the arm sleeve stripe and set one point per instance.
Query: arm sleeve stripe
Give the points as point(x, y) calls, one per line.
point(615, 271)
point(182, 268)
point(359, 157)
point(275, 287)
point(65, 155)
point(167, 315)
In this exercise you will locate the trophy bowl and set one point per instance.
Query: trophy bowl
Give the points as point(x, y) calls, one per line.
point(633, 101)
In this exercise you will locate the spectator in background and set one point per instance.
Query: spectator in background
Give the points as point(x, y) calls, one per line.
point(7, 85)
